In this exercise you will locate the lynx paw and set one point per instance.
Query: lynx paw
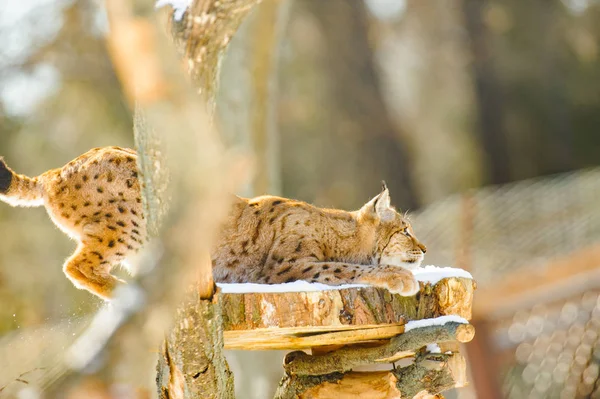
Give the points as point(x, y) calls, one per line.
point(101, 286)
point(395, 279)
point(403, 285)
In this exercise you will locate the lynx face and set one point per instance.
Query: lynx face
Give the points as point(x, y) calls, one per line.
point(403, 248)
point(397, 243)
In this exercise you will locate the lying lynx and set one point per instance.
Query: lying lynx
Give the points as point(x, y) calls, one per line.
point(96, 200)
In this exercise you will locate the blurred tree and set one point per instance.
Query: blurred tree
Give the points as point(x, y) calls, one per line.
point(357, 145)
point(248, 93)
point(536, 67)
point(490, 102)
point(422, 54)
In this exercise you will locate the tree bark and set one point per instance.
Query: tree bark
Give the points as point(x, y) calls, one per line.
point(202, 36)
point(191, 363)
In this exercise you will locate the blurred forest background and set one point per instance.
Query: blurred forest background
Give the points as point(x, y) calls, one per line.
point(436, 97)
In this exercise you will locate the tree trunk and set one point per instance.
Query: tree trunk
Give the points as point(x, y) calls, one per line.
point(172, 132)
point(203, 35)
point(192, 364)
point(361, 146)
point(248, 93)
point(492, 133)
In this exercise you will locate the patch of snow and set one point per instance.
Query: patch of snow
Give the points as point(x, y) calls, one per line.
point(179, 7)
point(428, 274)
point(433, 274)
point(296, 286)
point(433, 348)
point(437, 321)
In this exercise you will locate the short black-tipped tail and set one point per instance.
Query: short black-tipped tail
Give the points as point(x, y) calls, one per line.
point(19, 190)
point(5, 177)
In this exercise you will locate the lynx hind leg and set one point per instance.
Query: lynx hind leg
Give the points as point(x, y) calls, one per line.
point(89, 269)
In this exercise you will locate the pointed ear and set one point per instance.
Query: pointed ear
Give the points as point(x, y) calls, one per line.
point(383, 206)
point(380, 206)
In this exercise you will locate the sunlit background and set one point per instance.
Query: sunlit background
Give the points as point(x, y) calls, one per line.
point(482, 116)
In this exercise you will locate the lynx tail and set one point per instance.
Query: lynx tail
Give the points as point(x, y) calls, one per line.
point(19, 190)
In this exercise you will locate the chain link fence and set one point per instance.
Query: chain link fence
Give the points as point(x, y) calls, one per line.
point(549, 350)
point(498, 229)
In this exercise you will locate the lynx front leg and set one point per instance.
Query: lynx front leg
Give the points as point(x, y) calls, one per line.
point(394, 278)
point(89, 269)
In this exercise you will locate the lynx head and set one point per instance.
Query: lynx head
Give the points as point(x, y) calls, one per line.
point(395, 239)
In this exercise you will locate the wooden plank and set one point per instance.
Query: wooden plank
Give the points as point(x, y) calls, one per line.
point(557, 279)
point(253, 339)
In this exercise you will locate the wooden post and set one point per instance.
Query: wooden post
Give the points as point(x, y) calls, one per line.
point(468, 212)
point(483, 363)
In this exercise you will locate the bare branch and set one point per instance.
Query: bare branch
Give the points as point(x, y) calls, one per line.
point(345, 359)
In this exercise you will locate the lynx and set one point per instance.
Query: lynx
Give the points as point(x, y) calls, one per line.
point(95, 199)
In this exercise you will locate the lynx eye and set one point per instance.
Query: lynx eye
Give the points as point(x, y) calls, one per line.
point(405, 232)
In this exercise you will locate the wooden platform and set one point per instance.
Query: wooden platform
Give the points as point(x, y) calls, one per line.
point(300, 320)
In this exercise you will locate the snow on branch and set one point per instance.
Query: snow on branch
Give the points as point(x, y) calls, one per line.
point(179, 7)
point(437, 321)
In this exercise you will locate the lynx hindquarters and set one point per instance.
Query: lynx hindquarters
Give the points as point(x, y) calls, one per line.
point(95, 199)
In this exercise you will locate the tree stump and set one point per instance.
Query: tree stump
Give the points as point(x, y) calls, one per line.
point(302, 320)
point(348, 327)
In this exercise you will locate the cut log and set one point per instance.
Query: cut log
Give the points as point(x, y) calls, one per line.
point(300, 320)
point(427, 377)
point(378, 385)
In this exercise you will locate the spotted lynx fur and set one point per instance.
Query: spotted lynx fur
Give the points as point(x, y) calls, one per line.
point(96, 200)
